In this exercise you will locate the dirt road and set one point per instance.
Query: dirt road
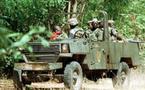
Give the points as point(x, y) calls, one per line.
point(135, 81)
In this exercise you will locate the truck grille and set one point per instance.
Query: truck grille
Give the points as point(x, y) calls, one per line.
point(43, 54)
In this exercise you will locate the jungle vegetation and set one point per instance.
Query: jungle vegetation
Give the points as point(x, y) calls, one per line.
point(24, 20)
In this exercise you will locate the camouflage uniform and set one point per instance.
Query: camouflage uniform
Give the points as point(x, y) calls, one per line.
point(88, 33)
point(75, 31)
point(113, 33)
point(96, 35)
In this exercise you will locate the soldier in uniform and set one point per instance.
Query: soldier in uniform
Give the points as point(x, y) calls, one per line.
point(113, 33)
point(94, 32)
point(58, 34)
point(75, 31)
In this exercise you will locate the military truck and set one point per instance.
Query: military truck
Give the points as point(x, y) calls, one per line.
point(74, 59)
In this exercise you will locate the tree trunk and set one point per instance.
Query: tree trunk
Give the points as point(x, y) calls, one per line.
point(80, 16)
point(74, 8)
point(69, 9)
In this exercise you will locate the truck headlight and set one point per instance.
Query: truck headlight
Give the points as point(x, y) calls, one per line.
point(64, 48)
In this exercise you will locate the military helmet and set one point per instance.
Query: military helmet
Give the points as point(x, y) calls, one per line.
point(94, 20)
point(111, 21)
point(73, 21)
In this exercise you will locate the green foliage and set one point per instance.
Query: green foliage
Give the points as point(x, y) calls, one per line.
point(31, 12)
point(5, 41)
point(25, 17)
point(131, 21)
point(122, 11)
point(115, 7)
point(91, 10)
point(13, 42)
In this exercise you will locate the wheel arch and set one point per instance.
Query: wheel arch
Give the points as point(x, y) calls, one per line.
point(128, 60)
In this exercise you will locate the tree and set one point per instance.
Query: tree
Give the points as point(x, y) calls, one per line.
point(18, 15)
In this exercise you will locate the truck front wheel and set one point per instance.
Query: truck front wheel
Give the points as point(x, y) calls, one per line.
point(122, 74)
point(73, 76)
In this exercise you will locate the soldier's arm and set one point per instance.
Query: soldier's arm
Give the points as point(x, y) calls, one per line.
point(62, 36)
point(118, 37)
point(65, 35)
point(115, 34)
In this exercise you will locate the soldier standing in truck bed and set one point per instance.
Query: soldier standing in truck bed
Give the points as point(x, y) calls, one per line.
point(75, 31)
point(94, 32)
point(113, 33)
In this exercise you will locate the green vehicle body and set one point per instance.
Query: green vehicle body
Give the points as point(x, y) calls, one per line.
point(93, 56)
point(101, 54)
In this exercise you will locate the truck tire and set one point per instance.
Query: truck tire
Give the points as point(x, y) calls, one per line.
point(73, 76)
point(122, 74)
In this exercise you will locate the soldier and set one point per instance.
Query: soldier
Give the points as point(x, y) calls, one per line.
point(113, 33)
point(58, 33)
point(94, 32)
point(75, 31)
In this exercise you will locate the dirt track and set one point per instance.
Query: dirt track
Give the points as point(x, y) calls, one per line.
point(136, 81)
